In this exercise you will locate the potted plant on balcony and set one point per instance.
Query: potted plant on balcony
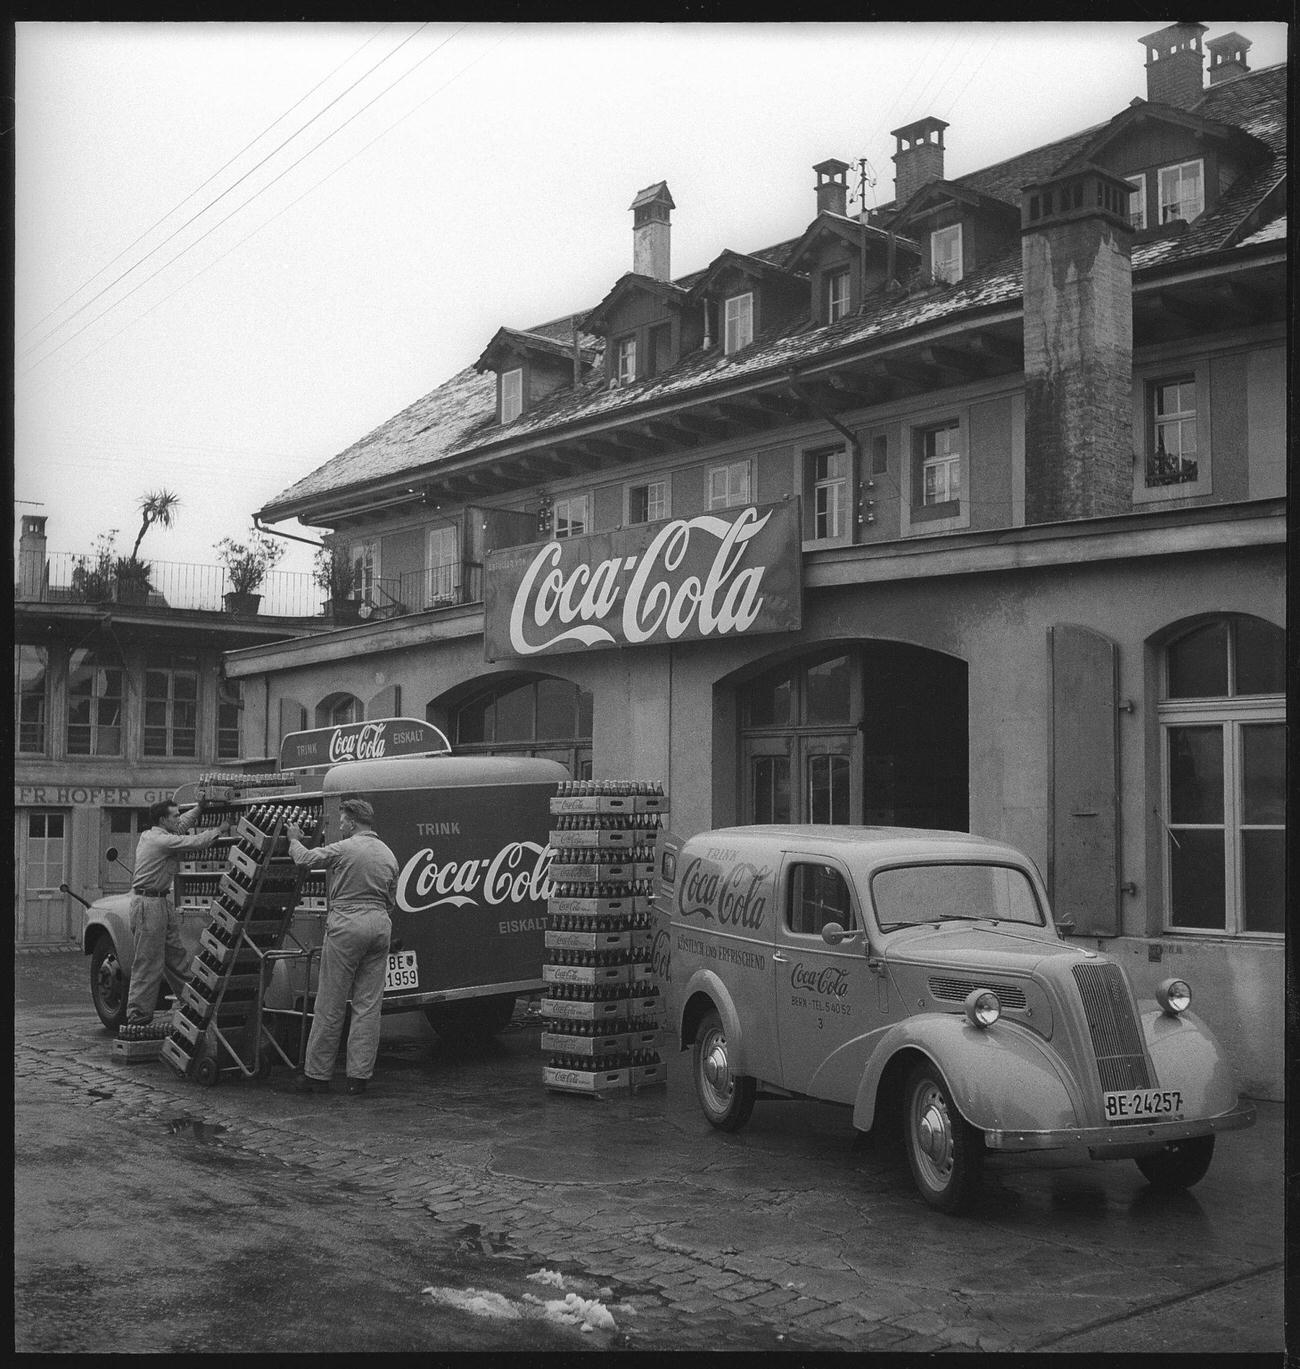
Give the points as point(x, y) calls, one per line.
point(131, 584)
point(336, 575)
point(246, 565)
point(92, 576)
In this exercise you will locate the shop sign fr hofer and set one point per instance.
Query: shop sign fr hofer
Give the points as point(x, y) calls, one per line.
point(383, 738)
point(721, 574)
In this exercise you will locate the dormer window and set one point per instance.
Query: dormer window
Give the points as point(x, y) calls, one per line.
point(738, 323)
point(945, 254)
point(625, 356)
point(837, 295)
point(1182, 191)
point(1137, 202)
point(512, 395)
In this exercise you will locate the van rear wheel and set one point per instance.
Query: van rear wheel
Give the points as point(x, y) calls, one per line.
point(726, 1098)
point(466, 1021)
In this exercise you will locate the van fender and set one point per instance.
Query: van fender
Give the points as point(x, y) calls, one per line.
point(111, 915)
point(1001, 1077)
point(1187, 1056)
point(706, 985)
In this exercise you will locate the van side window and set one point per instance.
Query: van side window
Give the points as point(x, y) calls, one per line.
point(818, 894)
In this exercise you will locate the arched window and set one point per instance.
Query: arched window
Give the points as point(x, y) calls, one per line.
point(1223, 748)
point(534, 717)
point(874, 733)
point(334, 710)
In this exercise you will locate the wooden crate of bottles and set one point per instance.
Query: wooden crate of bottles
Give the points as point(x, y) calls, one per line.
point(250, 903)
point(600, 1029)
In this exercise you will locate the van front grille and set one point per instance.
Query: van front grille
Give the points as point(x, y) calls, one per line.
point(1114, 1027)
point(956, 990)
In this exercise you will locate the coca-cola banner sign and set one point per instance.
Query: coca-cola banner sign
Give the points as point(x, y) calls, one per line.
point(723, 574)
point(379, 739)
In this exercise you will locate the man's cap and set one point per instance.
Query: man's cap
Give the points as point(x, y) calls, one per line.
point(358, 809)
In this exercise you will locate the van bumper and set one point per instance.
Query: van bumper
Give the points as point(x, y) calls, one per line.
point(1115, 1139)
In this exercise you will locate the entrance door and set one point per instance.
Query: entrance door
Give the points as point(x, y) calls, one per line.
point(823, 992)
point(44, 917)
point(118, 827)
point(827, 767)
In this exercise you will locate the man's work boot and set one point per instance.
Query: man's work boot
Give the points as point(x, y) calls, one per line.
point(357, 1085)
point(304, 1083)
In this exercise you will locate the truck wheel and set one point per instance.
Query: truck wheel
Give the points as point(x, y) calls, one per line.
point(727, 1099)
point(1180, 1165)
point(109, 985)
point(476, 1019)
point(944, 1151)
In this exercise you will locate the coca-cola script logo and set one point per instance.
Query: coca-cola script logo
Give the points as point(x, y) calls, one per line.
point(735, 897)
point(551, 606)
point(366, 744)
point(823, 980)
point(518, 873)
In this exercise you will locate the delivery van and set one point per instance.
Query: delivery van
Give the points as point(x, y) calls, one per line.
point(471, 839)
point(917, 978)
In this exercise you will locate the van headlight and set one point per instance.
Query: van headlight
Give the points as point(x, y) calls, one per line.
point(1174, 996)
point(982, 1008)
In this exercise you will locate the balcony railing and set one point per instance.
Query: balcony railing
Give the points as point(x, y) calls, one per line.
point(65, 577)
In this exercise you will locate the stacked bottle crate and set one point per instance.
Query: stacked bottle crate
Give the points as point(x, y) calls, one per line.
point(250, 908)
point(601, 1009)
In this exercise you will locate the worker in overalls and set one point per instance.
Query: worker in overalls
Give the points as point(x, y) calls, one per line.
point(361, 873)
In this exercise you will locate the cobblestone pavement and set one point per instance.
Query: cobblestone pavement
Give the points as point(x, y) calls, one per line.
point(793, 1234)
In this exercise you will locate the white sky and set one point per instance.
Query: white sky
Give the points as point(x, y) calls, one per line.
point(480, 175)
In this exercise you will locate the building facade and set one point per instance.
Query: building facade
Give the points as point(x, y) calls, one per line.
point(967, 513)
point(116, 705)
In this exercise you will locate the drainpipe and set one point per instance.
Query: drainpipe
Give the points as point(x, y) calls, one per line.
point(275, 532)
point(864, 510)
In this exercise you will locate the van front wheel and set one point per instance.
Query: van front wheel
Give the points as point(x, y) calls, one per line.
point(944, 1151)
point(726, 1098)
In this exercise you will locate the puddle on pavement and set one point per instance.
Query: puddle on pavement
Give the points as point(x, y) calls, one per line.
point(194, 1126)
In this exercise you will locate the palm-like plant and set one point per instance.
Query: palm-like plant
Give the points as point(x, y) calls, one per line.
point(158, 506)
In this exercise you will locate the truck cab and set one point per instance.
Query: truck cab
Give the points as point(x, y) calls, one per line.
point(917, 978)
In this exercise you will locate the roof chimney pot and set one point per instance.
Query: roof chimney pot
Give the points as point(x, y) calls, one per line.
point(1227, 57)
point(919, 159)
point(1175, 65)
point(832, 187)
point(651, 231)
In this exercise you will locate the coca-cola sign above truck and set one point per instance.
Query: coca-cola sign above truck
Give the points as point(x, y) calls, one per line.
point(727, 573)
point(380, 739)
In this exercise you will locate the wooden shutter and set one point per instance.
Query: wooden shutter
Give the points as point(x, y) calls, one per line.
point(1083, 875)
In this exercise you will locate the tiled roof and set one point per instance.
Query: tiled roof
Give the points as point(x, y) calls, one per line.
point(459, 416)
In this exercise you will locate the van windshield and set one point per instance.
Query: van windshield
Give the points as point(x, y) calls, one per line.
point(912, 894)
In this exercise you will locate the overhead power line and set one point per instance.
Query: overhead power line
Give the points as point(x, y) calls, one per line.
point(310, 189)
point(193, 217)
point(186, 199)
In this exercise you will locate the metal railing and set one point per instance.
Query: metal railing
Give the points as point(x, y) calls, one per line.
point(68, 577)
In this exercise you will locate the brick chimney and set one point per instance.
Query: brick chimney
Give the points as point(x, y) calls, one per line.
point(832, 187)
point(1228, 57)
point(1078, 330)
point(651, 231)
point(32, 565)
point(919, 159)
point(1174, 65)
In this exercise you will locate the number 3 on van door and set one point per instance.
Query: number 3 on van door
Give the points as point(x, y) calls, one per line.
point(820, 1024)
